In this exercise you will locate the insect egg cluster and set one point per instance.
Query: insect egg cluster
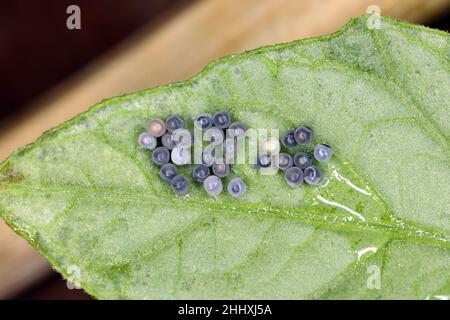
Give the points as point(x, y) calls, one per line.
point(298, 168)
point(170, 143)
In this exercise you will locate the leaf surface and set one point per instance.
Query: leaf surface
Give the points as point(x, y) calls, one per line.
point(86, 196)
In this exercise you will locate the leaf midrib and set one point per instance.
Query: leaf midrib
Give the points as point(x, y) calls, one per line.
point(395, 229)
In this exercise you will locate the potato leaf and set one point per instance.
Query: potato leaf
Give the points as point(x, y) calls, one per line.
point(90, 200)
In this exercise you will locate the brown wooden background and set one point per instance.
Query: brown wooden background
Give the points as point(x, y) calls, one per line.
point(125, 46)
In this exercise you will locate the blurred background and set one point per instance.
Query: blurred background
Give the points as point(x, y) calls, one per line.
point(50, 73)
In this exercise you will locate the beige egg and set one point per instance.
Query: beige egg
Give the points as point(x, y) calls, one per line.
point(271, 146)
point(156, 127)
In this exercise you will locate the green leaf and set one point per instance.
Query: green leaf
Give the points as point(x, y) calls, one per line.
point(87, 197)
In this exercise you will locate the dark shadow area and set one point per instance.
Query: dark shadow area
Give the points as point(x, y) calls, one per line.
point(442, 22)
point(37, 50)
point(53, 288)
